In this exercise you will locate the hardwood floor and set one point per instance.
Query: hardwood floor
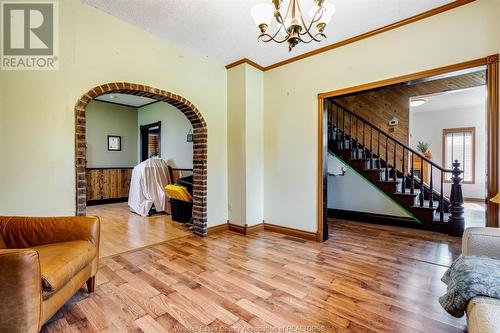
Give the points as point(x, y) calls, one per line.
point(366, 278)
point(122, 230)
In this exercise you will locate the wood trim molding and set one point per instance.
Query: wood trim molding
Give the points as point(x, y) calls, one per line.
point(216, 229)
point(492, 135)
point(245, 61)
point(443, 151)
point(408, 77)
point(241, 229)
point(255, 228)
point(312, 236)
point(492, 67)
point(245, 230)
point(409, 20)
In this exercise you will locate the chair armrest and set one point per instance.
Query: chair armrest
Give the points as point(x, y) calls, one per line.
point(481, 242)
point(23, 232)
point(20, 291)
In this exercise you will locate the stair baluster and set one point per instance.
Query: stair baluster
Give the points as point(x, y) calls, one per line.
point(422, 188)
point(371, 147)
point(431, 190)
point(403, 168)
point(441, 200)
point(364, 142)
point(412, 187)
point(394, 166)
point(386, 158)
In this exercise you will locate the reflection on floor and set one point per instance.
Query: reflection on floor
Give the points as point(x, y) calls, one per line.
point(475, 214)
point(122, 230)
point(366, 278)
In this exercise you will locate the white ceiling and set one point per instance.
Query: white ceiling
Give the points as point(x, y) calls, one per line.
point(224, 29)
point(125, 99)
point(455, 99)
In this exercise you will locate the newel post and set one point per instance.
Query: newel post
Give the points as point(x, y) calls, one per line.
point(456, 221)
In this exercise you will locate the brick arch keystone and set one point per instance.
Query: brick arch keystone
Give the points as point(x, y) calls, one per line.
point(199, 144)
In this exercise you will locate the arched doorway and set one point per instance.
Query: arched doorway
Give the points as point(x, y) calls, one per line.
point(199, 144)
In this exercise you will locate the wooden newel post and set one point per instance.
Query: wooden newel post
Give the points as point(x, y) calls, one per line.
point(456, 221)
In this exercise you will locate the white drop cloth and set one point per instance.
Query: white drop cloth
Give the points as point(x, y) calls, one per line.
point(149, 179)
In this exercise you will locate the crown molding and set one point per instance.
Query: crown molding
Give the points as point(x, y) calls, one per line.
point(245, 61)
point(409, 20)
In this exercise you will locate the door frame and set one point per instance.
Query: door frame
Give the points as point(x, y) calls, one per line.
point(146, 127)
point(492, 118)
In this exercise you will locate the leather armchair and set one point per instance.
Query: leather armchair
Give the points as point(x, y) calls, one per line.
point(483, 313)
point(43, 262)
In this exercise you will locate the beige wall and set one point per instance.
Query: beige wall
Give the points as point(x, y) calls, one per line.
point(236, 158)
point(174, 129)
point(37, 174)
point(105, 119)
point(291, 133)
point(245, 146)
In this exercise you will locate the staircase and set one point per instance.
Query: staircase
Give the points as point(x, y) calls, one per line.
point(390, 166)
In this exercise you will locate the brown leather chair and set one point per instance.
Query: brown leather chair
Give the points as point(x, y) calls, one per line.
point(43, 262)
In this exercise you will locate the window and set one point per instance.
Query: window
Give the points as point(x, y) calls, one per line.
point(460, 144)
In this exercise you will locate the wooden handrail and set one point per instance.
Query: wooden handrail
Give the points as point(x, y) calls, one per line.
point(392, 139)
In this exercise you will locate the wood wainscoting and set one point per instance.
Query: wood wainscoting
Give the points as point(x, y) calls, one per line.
point(106, 185)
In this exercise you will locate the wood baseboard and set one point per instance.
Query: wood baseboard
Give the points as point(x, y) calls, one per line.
point(237, 228)
point(245, 230)
point(307, 235)
point(216, 229)
point(481, 200)
point(255, 228)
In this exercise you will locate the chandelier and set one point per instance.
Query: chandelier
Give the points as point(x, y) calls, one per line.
point(294, 27)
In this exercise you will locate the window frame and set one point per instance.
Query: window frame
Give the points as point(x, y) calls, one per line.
point(446, 131)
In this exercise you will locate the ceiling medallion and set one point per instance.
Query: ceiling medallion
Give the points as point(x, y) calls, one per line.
point(294, 28)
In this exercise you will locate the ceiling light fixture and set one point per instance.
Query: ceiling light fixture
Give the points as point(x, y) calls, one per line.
point(418, 102)
point(294, 28)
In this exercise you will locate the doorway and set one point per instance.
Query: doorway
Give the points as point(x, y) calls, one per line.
point(492, 70)
point(199, 153)
point(150, 140)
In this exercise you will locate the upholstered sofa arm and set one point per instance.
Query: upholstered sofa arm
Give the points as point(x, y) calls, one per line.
point(20, 294)
point(23, 232)
point(481, 242)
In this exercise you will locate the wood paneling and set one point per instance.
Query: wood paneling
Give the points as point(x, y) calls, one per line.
point(380, 106)
point(108, 183)
point(368, 278)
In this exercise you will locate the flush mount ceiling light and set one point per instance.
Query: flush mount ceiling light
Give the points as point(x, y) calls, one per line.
point(294, 27)
point(418, 102)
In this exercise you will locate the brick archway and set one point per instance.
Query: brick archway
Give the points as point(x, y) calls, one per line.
point(199, 144)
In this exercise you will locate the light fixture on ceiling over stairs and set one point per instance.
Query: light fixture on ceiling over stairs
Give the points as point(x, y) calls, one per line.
point(294, 27)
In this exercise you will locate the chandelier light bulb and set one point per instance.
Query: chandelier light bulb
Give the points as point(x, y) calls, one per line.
point(262, 15)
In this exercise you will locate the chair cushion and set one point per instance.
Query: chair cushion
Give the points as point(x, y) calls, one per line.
point(2, 243)
point(483, 315)
point(60, 262)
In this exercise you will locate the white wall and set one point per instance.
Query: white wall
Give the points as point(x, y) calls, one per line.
point(105, 119)
point(97, 48)
point(236, 104)
point(353, 192)
point(428, 127)
point(291, 132)
point(246, 146)
point(254, 145)
point(174, 128)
